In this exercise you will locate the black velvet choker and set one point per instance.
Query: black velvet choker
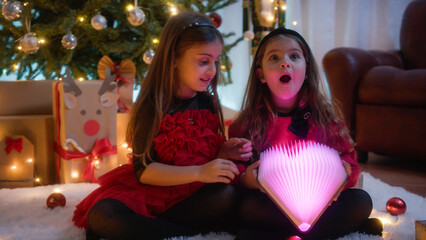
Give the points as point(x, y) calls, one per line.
point(299, 121)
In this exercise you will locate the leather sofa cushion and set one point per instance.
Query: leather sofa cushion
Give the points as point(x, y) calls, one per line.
point(397, 131)
point(386, 85)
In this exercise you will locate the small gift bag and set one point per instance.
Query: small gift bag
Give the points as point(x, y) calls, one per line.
point(124, 75)
point(16, 162)
point(85, 118)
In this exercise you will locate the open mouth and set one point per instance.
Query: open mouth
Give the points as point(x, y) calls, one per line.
point(285, 78)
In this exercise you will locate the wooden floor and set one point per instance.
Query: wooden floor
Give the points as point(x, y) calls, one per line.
point(401, 172)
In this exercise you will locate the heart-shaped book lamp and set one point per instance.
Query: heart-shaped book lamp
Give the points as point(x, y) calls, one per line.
point(302, 178)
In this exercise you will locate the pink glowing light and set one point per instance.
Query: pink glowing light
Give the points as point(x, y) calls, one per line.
point(302, 178)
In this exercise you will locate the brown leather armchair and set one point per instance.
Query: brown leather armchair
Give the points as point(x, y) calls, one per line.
point(383, 93)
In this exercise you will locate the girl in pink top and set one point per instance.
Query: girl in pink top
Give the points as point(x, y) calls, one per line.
point(284, 102)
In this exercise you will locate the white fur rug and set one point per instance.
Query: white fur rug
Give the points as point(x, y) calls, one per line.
point(24, 214)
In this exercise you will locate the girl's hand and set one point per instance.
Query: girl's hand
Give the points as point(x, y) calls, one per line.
point(218, 170)
point(249, 177)
point(236, 149)
point(347, 167)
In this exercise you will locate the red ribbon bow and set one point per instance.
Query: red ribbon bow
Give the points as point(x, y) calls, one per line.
point(13, 144)
point(118, 77)
point(102, 148)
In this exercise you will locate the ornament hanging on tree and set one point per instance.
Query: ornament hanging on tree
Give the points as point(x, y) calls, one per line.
point(29, 43)
point(148, 56)
point(69, 41)
point(136, 16)
point(216, 19)
point(249, 35)
point(56, 199)
point(396, 206)
point(98, 22)
point(11, 10)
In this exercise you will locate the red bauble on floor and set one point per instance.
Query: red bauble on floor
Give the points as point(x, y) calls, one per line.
point(396, 206)
point(56, 199)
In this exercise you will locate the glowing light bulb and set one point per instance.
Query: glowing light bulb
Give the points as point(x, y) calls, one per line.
point(16, 67)
point(37, 180)
point(173, 10)
point(129, 149)
point(13, 167)
point(57, 190)
point(81, 19)
point(29, 160)
point(74, 175)
point(155, 41)
point(19, 48)
point(385, 220)
point(125, 145)
point(129, 7)
point(81, 79)
point(294, 23)
point(284, 7)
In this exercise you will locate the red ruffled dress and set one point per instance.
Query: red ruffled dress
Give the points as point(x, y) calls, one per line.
point(185, 138)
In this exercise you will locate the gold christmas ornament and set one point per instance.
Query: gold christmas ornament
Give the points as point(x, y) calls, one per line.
point(11, 10)
point(148, 56)
point(29, 43)
point(69, 41)
point(249, 35)
point(136, 16)
point(98, 22)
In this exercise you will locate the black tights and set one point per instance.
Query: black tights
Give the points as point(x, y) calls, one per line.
point(260, 215)
point(208, 209)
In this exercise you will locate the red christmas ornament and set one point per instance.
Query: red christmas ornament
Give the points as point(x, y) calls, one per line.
point(396, 206)
point(56, 199)
point(216, 19)
point(294, 238)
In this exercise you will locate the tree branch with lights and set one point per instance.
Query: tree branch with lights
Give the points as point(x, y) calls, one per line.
point(44, 37)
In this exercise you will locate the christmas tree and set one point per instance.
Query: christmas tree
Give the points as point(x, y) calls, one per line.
point(43, 37)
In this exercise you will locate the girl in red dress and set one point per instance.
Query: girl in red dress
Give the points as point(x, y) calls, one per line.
point(178, 182)
point(283, 103)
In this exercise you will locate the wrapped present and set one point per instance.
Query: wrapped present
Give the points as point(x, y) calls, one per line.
point(16, 162)
point(29, 97)
point(86, 134)
point(124, 75)
point(124, 151)
point(38, 129)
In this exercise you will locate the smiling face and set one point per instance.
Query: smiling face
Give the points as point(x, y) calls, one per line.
point(283, 70)
point(196, 68)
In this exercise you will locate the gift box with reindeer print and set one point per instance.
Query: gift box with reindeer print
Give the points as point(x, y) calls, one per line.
point(85, 123)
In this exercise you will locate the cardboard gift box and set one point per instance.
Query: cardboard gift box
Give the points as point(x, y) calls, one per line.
point(38, 129)
point(124, 76)
point(16, 162)
point(85, 131)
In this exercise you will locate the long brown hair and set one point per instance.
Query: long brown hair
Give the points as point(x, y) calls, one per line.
point(257, 111)
point(180, 33)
